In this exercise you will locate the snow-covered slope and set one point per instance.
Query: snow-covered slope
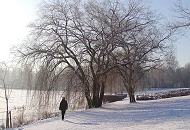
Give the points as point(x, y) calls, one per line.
point(164, 114)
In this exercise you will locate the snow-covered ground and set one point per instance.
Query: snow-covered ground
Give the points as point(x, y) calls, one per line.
point(163, 114)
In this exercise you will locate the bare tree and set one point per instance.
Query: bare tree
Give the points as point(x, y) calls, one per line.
point(71, 36)
point(6, 88)
point(142, 48)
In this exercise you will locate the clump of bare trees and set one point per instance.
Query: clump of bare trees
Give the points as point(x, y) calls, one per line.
point(92, 40)
point(165, 77)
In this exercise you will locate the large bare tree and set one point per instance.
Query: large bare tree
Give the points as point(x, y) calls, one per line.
point(68, 35)
point(91, 39)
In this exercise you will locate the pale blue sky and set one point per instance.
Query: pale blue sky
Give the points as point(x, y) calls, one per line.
point(17, 14)
point(166, 8)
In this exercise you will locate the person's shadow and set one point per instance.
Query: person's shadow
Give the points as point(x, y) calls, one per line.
point(80, 123)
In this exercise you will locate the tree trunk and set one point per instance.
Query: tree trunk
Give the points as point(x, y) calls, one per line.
point(87, 94)
point(96, 96)
point(89, 100)
point(10, 119)
point(131, 94)
point(98, 93)
point(132, 98)
point(94, 100)
point(102, 93)
point(131, 90)
point(7, 114)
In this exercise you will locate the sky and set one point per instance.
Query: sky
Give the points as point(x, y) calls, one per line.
point(16, 15)
point(182, 43)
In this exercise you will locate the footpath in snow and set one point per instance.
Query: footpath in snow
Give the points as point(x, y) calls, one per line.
point(164, 114)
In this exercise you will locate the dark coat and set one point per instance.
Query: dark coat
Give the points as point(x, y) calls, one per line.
point(63, 105)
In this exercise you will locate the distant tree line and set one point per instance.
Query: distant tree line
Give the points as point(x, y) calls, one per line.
point(163, 77)
point(168, 78)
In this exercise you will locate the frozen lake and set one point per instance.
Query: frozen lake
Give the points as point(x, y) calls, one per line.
point(17, 98)
point(20, 101)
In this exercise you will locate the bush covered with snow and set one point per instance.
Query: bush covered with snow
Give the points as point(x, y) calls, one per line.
point(166, 94)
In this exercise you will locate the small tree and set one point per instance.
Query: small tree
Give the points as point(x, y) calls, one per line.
point(3, 78)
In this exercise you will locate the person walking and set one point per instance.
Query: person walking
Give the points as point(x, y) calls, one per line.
point(63, 107)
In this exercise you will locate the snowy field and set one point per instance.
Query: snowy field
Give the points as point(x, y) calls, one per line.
point(163, 114)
